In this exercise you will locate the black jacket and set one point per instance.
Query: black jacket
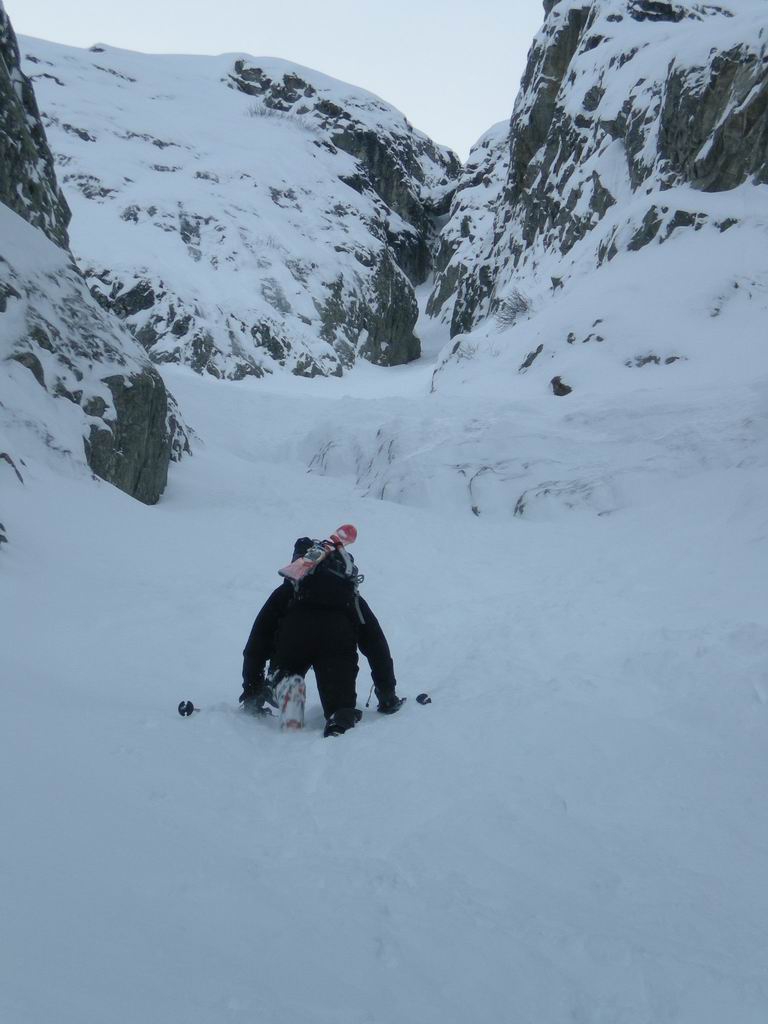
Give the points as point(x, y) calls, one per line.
point(261, 643)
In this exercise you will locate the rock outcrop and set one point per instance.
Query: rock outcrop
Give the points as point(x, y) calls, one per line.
point(73, 379)
point(414, 177)
point(469, 231)
point(244, 214)
point(626, 110)
point(27, 179)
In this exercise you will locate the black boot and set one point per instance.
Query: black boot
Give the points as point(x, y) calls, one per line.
point(389, 703)
point(341, 720)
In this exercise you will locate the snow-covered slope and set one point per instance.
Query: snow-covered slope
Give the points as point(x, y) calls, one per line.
point(242, 213)
point(74, 384)
point(572, 831)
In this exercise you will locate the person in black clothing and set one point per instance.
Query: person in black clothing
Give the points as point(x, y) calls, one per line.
point(320, 624)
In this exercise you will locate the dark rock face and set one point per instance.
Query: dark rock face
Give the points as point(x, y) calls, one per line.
point(50, 324)
point(27, 178)
point(664, 10)
point(386, 338)
point(397, 319)
point(716, 136)
point(470, 231)
point(600, 120)
point(542, 81)
point(395, 174)
point(528, 197)
point(133, 449)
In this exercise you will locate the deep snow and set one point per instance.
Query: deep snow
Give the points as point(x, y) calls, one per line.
point(573, 830)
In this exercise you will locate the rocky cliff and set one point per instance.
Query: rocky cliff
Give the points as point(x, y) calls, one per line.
point(469, 231)
point(74, 381)
point(628, 109)
point(242, 214)
point(27, 179)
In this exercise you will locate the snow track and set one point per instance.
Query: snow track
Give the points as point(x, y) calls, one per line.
point(573, 831)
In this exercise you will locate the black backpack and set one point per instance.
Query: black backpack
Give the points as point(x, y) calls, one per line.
point(333, 583)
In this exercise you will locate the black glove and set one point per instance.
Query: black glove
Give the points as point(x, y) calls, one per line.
point(389, 702)
point(255, 695)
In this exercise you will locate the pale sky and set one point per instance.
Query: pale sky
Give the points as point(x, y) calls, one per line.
point(451, 66)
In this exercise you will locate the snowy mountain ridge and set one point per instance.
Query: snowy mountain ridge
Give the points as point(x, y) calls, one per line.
point(239, 213)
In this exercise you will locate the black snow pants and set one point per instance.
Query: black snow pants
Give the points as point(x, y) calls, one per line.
point(323, 639)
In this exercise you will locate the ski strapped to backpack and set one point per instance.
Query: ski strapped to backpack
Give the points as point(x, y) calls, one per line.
point(320, 549)
point(325, 574)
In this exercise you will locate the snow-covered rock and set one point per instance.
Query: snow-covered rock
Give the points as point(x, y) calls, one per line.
point(469, 230)
point(631, 113)
point(75, 386)
point(242, 213)
point(57, 343)
point(27, 179)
